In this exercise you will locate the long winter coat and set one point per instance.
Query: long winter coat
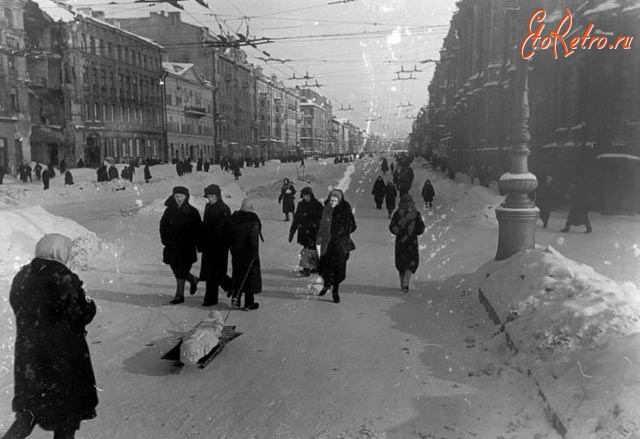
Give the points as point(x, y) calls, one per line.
point(306, 222)
point(385, 166)
point(428, 192)
point(333, 261)
point(379, 190)
point(113, 173)
point(215, 241)
point(180, 228)
point(54, 378)
point(579, 196)
point(390, 196)
point(405, 179)
point(407, 224)
point(287, 194)
point(245, 230)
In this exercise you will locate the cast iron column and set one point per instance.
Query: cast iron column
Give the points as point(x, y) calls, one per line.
point(518, 214)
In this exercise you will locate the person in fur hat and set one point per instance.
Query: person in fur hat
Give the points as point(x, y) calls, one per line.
point(54, 386)
point(180, 228)
point(306, 221)
point(215, 245)
point(245, 231)
point(335, 242)
point(406, 224)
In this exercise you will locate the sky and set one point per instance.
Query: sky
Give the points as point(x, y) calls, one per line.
point(370, 57)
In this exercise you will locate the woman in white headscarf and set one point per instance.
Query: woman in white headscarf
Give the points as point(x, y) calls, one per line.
point(55, 386)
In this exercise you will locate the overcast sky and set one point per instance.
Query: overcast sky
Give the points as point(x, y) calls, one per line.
point(354, 50)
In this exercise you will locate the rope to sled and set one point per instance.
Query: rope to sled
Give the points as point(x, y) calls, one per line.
point(237, 293)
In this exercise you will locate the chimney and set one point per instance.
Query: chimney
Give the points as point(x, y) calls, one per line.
point(98, 15)
point(174, 17)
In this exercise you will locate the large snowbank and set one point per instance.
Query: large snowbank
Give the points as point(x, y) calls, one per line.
point(22, 228)
point(578, 332)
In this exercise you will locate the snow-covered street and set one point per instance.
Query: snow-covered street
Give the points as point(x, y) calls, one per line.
point(381, 364)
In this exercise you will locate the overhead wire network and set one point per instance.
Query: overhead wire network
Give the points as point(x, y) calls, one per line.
point(425, 34)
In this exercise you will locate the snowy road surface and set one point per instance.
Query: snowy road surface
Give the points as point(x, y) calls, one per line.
point(378, 365)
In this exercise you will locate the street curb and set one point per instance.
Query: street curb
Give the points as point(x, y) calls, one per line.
point(552, 416)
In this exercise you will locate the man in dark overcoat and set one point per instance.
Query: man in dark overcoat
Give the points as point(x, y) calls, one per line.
point(384, 167)
point(390, 198)
point(215, 245)
point(580, 197)
point(306, 221)
point(112, 173)
point(287, 198)
point(245, 230)
point(45, 178)
point(180, 229)
point(379, 191)
point(54, 384)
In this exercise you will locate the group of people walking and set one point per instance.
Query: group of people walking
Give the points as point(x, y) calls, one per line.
point(184, 234)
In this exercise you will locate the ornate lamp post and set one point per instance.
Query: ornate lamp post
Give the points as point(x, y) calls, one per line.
point(518, 214)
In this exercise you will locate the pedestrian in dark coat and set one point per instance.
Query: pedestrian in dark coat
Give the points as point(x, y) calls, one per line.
point(378, 192)
point(545, 200)
point(245, 232)
point(45, 179)
point(405, 179)
point(384, 167)
point(428, 193)
point(287, 198)
point(215, 245)
point(235, 169)
point(579, 196)
point(391, 167)
point(390, 198)
point(37, 169)
point(113, 173)
point(54, 383)
point(52, 172)
point(68, 178)
point(406, 224)
point(199, 165)
point(62, 166)
point(306, 221)
point(180, 229)
point(147, 173)
point(335, 242)
point(206, 165)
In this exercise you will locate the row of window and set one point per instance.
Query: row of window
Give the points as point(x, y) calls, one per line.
point(119, 53)
point(141, 85)
point(95, 112)
point(131, 147)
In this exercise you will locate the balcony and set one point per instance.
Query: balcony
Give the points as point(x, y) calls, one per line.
point(197, 112)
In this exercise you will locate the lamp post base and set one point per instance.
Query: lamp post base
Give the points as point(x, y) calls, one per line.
point(516, 230)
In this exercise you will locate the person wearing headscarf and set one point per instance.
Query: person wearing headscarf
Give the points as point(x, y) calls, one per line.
point(378, 192)
point(54, 382)
point(334, 239)
point(68, 178)
point(384, 167)
point(306, 221)
point(180, 228)
point(287, 194)
point(215, 245)
point(390, 197)
point(406, 224)
point(245, 231)
point(428, 193)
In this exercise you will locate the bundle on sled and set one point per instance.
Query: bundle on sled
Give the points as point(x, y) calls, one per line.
point(201, 344)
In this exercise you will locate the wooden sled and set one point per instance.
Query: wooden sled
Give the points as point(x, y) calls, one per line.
point(228, 334)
